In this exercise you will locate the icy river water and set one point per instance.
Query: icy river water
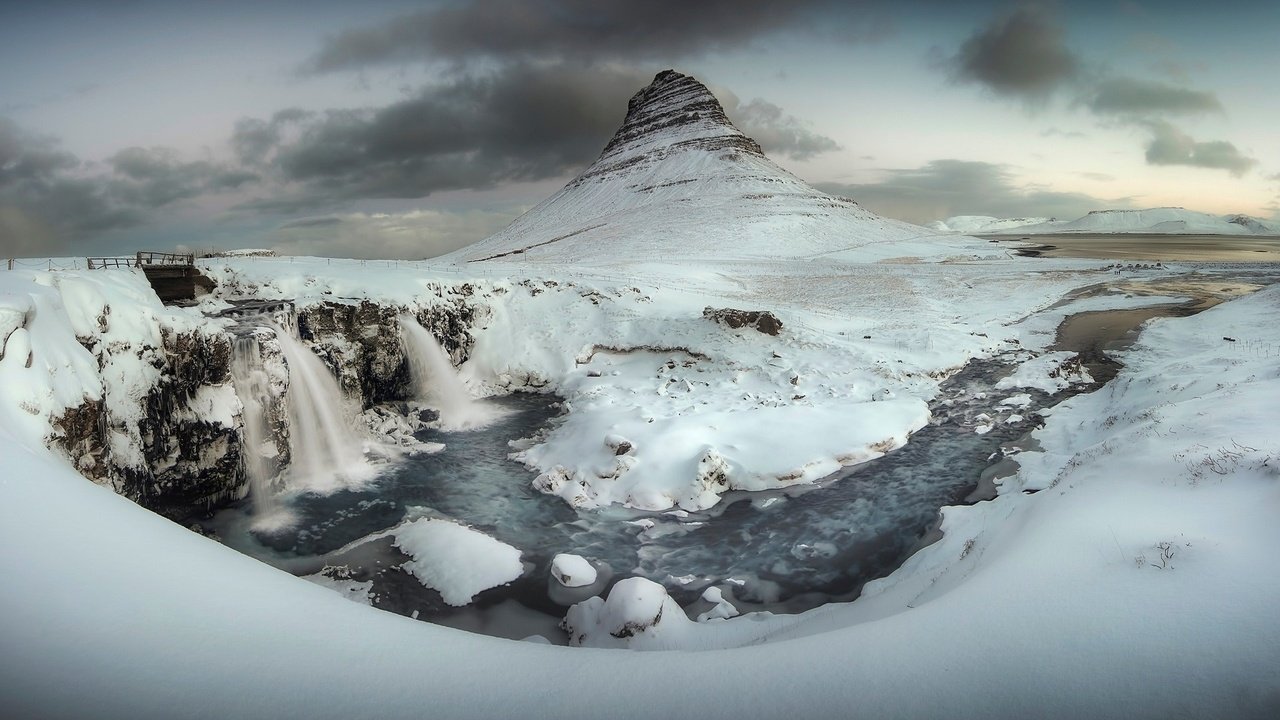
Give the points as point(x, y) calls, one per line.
point(786, 550)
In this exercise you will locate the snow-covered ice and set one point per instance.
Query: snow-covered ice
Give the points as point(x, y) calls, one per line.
point(455, 560)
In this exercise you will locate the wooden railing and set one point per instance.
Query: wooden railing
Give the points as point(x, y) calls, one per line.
point(160, 258)
point(143, 259)
point(106, 262)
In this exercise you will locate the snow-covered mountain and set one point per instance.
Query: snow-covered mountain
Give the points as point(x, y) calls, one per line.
point(679, 181)
point(982, 223)
point(1165, 220)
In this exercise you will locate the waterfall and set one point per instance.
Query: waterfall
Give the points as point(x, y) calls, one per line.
point(259, 457)
point(325, 452)
point(436, 381)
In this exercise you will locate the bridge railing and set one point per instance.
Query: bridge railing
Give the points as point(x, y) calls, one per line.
point(96, 263)
point(146, 257)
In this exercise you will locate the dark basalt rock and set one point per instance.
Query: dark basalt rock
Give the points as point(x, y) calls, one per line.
point(761, 320)
point(361, 342)
point(675, 112)
point(188, 461)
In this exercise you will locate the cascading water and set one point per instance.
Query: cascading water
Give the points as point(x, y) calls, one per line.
point(252, 386)
point(436, 382)
point(326, 454)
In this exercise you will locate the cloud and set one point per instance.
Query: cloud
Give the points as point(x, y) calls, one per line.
point(559, 29)
point(1129, 96)
point(777, 132)
point(1171, 146)
point(155, 177)
point(1020, 54)
point(945, 188)
point(49, 199)
point(469, 132)
point(1066, 134)
point(517, 123)
point(405, 236)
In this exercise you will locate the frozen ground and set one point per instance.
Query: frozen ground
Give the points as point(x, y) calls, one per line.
point(1137, 580)
point(1165, 220)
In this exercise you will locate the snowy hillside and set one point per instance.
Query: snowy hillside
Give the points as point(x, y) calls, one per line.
point(679, 181)
point(982, 223)
point(1167, 221)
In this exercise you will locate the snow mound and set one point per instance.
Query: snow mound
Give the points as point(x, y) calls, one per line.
point(456, 561)
point(1050, 372)
point(638, 614)
point(572, 570)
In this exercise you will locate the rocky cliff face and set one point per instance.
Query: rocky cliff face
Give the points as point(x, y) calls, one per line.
point(360, 342)
point(675, 113)
point(169, 434)
point(174, 446)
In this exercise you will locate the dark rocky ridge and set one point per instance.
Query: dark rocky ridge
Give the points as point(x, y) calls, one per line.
point(174, 459)
point(673, 113)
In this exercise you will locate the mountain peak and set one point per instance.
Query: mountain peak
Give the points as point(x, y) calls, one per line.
point(678, 180)
point(674, 111)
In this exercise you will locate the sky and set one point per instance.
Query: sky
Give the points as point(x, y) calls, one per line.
point(402, 129)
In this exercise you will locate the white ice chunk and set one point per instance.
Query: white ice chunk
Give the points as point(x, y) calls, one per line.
point(455, 560)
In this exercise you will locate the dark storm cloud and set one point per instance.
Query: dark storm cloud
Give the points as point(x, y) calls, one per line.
point(1171, 146)
point(26, 157)
point(252, 138)
point(777, 132)
point(519, 123)
point(41, 204)
point(944, 188)
point(155, 177)
point(1129, 96)
point(554, 29)
point(1019, 54)
point(49, 199)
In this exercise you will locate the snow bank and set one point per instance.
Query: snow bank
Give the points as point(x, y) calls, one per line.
point(72, 337)
point(1050, 372)
point(455, 560)
point(150, 615)
point(638, 614)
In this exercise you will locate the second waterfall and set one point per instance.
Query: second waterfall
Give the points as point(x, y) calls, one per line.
point(436, 381)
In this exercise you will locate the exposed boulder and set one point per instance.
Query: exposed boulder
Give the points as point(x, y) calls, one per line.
point(638, 614)
point(760, 320)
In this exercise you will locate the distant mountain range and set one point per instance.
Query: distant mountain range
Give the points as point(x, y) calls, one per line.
point(1166, 220)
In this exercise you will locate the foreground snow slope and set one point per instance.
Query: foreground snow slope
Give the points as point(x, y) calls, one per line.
point(113, 612)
